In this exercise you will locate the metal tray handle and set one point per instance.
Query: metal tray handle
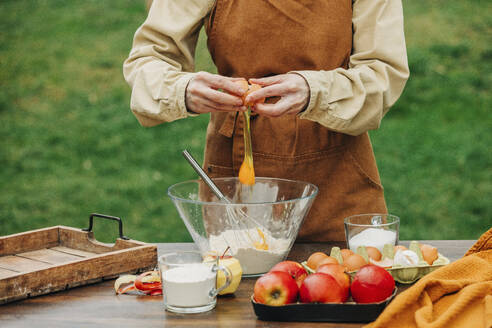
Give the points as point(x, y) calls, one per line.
point(109, 217)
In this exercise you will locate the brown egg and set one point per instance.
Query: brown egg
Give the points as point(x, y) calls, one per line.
point(373, 253)
point(346, 253)
point(399, 248)
point(315, 258)
point(354, 262)
point(327, 260)
point(429, 253)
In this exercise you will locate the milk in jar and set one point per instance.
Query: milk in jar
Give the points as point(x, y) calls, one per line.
point(189, 285)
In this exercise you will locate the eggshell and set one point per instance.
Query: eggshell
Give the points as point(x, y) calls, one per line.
point(315, 258)
point(429, 253)
point(399, 248)
point(346, 253)
point(373, 253)
point(406, 258)
point(385, 263)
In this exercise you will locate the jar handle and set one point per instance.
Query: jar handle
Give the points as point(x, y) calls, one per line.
point(228, 276)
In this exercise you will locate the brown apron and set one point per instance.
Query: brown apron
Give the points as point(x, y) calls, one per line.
point(258, 38)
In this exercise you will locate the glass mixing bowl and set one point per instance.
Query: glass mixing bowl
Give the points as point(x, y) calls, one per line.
point(258, 226)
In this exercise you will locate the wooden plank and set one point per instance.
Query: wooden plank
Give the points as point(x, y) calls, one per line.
point(21, 264)
point(76, 273)
point(28, 241)
point(83, 240)
point(49, 256)
point(4, 273)
point(72, 251)
point(78, 239)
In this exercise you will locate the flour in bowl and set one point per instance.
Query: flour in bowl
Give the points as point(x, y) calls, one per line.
point(253, 260)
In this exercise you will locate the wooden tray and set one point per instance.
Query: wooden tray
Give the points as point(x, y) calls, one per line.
point(52, 259)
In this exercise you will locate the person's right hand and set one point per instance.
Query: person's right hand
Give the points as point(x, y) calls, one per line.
point(202, 95)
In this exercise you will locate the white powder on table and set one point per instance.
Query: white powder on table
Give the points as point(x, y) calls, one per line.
point(252, 260)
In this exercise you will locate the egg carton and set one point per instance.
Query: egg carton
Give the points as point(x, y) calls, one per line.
point(410, 274)
point(401, 274)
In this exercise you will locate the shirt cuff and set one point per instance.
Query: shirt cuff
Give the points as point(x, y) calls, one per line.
point(182, 83)
point(318, 109)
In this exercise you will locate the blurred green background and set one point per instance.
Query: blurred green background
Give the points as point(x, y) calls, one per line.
point(69, 144)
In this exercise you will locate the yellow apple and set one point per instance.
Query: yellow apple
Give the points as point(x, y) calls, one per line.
point(235, 268)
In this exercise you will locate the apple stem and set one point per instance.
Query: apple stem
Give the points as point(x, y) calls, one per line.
point(228, 247)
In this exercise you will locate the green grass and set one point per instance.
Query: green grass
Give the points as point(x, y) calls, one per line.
point(433, 147)
point(69, 144)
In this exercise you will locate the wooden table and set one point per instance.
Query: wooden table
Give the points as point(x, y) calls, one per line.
point(98, 306)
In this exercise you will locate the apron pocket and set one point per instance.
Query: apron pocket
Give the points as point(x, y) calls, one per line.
point(360, 168)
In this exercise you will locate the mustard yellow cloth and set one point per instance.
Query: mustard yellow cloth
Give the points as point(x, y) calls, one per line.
point(456, 295)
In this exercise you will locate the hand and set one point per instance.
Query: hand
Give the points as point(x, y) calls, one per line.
point(202, 95)
point(292, 89)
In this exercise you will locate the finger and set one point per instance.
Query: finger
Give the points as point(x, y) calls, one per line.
point(230, 85)
point(222, 107)
point(272, 110)
point(276, 90)
point(216, 81)
point(226, 84)
point(204, 106)
point(211, 94)
point(223, 98)
point(199, 102)
point(268, 80)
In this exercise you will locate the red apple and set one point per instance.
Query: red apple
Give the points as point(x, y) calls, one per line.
point(337, 271)
point(322, 288)
point(372, 284)
point(276, 288)
point(295, 269)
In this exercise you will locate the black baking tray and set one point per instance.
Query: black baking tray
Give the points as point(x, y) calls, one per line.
point(317, 312)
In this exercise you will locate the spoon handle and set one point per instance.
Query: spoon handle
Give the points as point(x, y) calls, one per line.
point(204, 176)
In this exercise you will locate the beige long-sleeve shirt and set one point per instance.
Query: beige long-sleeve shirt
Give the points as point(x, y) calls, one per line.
point(351, 101)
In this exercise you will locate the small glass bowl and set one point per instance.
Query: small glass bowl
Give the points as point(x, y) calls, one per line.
point(373, 229)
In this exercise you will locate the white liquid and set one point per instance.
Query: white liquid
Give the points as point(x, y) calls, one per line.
point(372, 237)
point(188, 285)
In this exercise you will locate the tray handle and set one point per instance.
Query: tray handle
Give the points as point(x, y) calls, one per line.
point(109, 217)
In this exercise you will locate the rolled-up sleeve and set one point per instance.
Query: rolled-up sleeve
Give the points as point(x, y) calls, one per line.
point(354, 100)
point(161, 61)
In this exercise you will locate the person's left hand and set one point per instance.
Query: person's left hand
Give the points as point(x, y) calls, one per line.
point(292, 89)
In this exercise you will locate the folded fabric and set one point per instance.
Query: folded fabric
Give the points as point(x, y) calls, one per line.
point(456, 295)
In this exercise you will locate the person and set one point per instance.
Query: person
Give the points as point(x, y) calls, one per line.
point(330, 71)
